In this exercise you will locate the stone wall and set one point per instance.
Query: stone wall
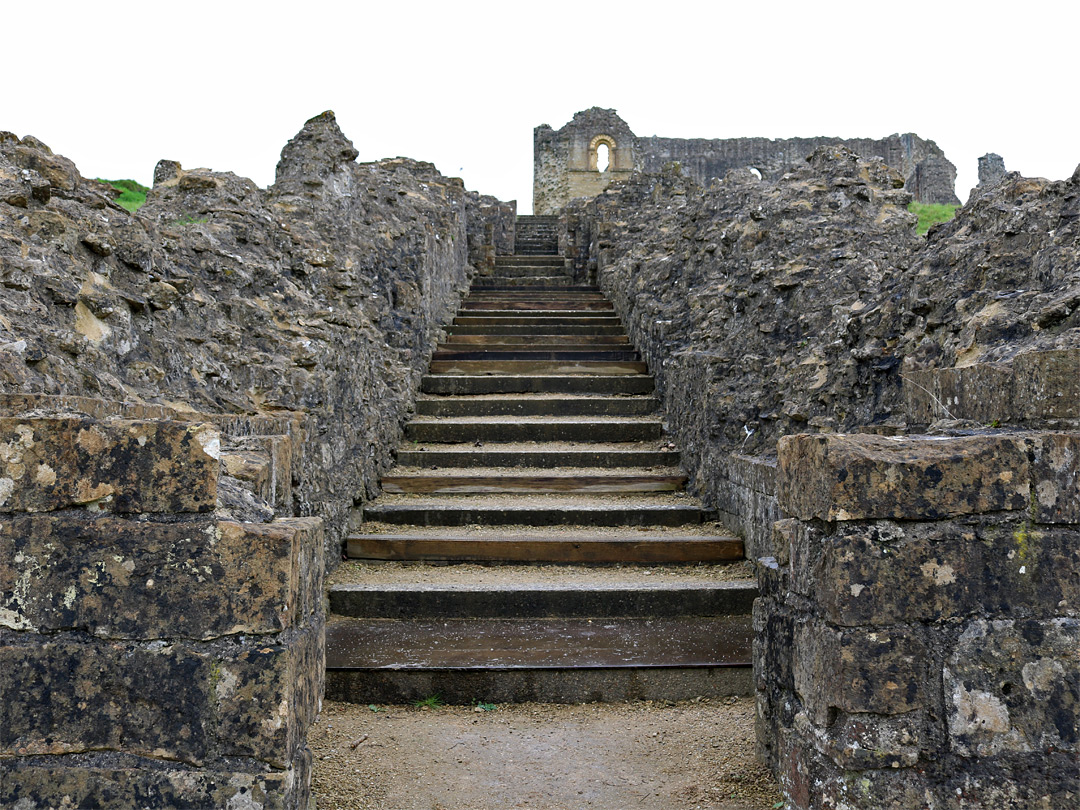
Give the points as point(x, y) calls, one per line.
point(324, 295)
point(193, 401)
point(917, 632)
point(153, 652)
point(564, 166)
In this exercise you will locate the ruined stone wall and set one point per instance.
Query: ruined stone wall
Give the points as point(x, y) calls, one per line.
point(323, 294)
point(490, 230)
point(918, 626)
point(193, 401)
point(918, 629)
point(153, 652)
point(562, 170)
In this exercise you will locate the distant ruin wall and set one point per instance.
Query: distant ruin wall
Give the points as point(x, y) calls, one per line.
point(564, 166)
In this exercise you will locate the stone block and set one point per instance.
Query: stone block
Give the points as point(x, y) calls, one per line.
point(1056, 478)
point(858, 670)
point(887, 572)
point(182, 701)
point(855, 477)
point(1036, 387)
point(71, 694)
point(125, 466)
point(1014, 687)
point(119, 782)
point(137, 579)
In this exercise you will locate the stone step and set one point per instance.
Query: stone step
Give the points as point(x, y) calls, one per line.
point(513, 353)
point(533, 429)
point(536, 384)
point(560, 317)
point(535, 510)
point(551, 660)
point(558, 283)
point(606, 456)
point(531, 339)
point(498, 344)
point(520, 269)
point(538, 367)
point(575, 597)
point(499, 306)
point(545, 330)
point(559, 547)
point(530, 261)
point(537, 406)
point(443, 484)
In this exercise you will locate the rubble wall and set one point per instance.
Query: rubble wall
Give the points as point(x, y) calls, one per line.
point(891, 424)
point(322, 295)
point(153, 653)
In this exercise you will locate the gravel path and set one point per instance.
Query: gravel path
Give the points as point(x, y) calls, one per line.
point(623, 756)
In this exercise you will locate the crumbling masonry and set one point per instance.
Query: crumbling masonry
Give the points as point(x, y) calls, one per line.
point(197, 397)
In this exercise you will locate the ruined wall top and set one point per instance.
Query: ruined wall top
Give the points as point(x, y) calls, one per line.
point(565, 160)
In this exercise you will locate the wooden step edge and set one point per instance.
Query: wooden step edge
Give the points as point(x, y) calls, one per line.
point(554, 549)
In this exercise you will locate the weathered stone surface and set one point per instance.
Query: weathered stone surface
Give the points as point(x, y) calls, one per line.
point(991, 168)
point(323, 295)
point(117, 466)
point(119, 782)
point(858, 670)
point(853, 477)
point(1014, 686)
point(886, 572)
point(127, 579)
point(1033, 389)
point(183, 701)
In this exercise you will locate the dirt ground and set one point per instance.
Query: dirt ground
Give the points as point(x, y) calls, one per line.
point(694, 755)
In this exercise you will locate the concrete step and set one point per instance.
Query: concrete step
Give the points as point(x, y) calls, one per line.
point(577, 597)
point(560, 546)
point(533, 429)
point(538, 367)
point(536, 384)
point(536, 406)
point(445, 484)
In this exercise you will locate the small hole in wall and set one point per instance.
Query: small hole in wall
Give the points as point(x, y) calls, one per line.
point(603, 157)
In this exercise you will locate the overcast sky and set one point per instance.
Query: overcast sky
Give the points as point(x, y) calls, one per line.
point(116, 86)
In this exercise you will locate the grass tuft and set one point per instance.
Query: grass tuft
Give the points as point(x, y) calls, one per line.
point(930, 215)
point(132, 196)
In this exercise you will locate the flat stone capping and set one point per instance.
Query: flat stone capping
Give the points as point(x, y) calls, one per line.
point(859, 476)
point(113, 465)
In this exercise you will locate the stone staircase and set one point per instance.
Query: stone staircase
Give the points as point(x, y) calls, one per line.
point(536, 236)
point(537, 439)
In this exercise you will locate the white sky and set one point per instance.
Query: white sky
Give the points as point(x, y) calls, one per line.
point(116, 86)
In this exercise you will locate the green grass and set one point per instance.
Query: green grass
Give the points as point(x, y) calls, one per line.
point(430, 702)
point(133, 196)
point(930, 215)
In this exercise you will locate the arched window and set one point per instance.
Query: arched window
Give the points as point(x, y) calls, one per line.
point(603, 158)
point(601, 153)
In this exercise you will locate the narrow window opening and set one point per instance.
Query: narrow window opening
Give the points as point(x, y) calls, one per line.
point(603, 158)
